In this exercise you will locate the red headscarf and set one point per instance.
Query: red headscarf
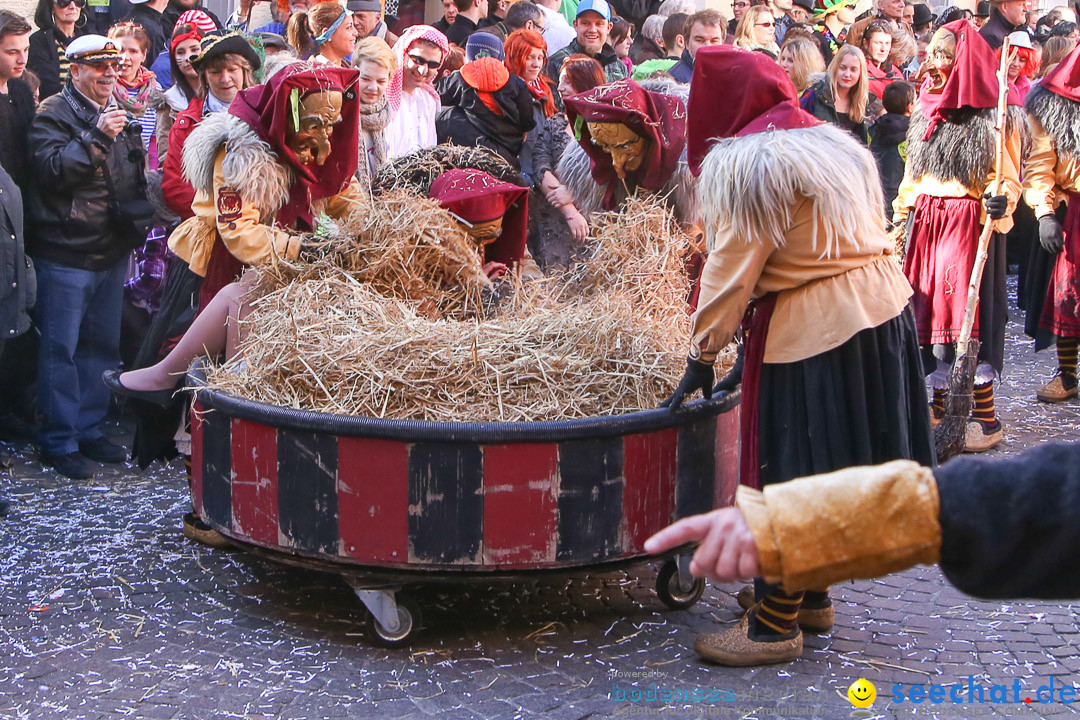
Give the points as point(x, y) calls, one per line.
point(269, 110)
point(477, 197)
point(659, 118)
point(972, 82)
point(757, 96)
point(517, 49)
point(1064, 79)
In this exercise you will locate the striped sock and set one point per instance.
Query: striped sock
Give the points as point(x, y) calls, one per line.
point(1066, 352)
point(938, 403)
point(778, 613)
point(984, 404)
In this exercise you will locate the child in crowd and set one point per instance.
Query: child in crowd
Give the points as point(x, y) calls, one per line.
point(888, 138)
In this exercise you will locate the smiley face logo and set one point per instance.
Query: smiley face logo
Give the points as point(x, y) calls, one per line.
point(862, 693)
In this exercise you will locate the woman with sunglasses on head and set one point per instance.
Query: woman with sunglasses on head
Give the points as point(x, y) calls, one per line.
point(757, 31)
point(420, 52)
point(876, 44)
point(60, 22)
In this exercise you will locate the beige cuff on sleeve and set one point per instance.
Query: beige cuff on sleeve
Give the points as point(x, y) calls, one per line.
point(855, 523)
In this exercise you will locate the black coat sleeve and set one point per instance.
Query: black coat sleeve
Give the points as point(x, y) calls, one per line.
point(45, 63)
point(1010, 528)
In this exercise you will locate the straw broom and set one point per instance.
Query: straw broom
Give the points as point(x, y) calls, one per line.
point(949, 435)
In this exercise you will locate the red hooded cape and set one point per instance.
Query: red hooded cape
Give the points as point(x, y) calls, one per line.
point(972, 83)
point(655, 116)
point(735, 93)
point(477, 197)
point(269, 111)
point(1064, 80)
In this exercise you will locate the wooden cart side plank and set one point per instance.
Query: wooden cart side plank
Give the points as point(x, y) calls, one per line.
point(649, 494)
point(197, 457)
point(590, 499)
point(520, 509)
point(727, 458)
point(446, 503)
point(217, 469)
point(696, 471)
point(307, 491)
point(254, 485)
point(373, 499)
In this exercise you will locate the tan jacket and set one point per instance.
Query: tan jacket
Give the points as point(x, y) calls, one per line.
point(1047, 176)
point(247, 230)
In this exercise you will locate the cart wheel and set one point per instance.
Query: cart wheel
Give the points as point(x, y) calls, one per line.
point(408, 617)
point(669, 592)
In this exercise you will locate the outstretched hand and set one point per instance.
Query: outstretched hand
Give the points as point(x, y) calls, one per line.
point(726, 551)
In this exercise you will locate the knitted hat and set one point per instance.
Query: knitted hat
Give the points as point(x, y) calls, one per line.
point(482, 44)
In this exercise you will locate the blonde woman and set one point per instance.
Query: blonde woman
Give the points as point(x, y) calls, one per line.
point(843, 97)
point(1054, 51)
point(801, 59)
point(757, 31)
point(376, 63)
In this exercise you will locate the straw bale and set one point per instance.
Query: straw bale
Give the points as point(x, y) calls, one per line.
point(418, 170)
point(345, 334)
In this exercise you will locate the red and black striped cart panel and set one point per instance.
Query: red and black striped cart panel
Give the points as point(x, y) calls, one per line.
point(430, 496)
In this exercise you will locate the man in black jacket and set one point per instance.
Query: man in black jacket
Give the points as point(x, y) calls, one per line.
point(148, 14)
point(1006, 16)
point(86, 154)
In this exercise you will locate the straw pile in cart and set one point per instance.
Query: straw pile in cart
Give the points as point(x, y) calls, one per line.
point(390, 321)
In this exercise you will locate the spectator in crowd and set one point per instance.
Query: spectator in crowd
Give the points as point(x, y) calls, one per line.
point(280, 12)
point(801, 59)
point(85, 153)
point(622, 37)
point(903, 52)
point(497, 15)
point(649, 43)
point(148, 14)
point(738, 9)
point(449, 15)
point(196, 20)
point(674, 35)
point(326, 34)
point(224, 65)
point(470, 14)
point(834, 17)
point(593, 26)
point(888, 11)
point(952, 14)
point(921, 18)
point(34, 83)
point(1054, 51)
point(801, 11)
point(1032, 19)
point(1065, 29)
point(982, 13)
point(886, 135)
point(1006, 16)
point(375, 62)
point(755, 31)
point(173, 15)
point(16, 98)
point(485, 105)
point(483, 44)
point(703, 29)
point(522, 14)
point(185, 44)
point(843, 97)
point(1059, 14)
point(1022, 67)
point(876, 46)
point(526, 56)
point(557, 30)
point(367, 17)
point(136, 89)
point(59, 22)
point(419, 52)
point(580, 73)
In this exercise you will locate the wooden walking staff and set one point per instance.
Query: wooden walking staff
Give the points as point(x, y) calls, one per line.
point(949, 436)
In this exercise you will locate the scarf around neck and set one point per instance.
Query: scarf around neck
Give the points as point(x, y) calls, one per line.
point(136, 104)
point(373, 121)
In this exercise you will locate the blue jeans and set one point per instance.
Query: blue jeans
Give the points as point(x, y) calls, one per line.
point(78, 314)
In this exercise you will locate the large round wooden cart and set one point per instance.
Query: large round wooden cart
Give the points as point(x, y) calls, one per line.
point(392, 503)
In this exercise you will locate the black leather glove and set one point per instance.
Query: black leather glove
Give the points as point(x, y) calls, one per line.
point(1051, 236)
point(996, 206)
point(734, 376)
point(698, 376)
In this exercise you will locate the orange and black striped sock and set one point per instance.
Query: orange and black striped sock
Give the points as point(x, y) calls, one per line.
point(938, 403)
point(778, 613)
point(984, 404)
point(1066, 352)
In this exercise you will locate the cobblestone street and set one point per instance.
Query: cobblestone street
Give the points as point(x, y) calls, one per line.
point(106, 611)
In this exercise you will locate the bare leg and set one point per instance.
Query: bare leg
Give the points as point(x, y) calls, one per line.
point(206, 336)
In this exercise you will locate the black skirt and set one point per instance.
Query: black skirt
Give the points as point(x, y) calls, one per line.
point(862, 403)
point(155, 426)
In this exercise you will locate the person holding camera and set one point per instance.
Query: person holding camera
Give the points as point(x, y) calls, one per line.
point(87, 210)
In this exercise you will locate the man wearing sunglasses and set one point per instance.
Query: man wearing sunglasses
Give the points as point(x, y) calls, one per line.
point(85, 157)
point(411, 93)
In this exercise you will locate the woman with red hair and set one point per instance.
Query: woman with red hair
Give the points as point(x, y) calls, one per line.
point(1023, 65)
point(526, 56)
